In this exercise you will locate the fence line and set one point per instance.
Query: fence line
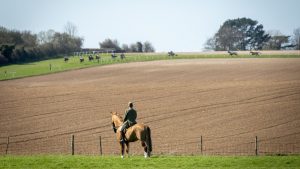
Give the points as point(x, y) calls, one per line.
point(106, 145)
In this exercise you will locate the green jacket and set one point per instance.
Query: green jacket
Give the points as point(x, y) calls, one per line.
point(130, 116)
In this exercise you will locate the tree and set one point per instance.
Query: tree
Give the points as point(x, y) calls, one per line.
point(5, 35)
point(125, 47)
point(17, 46)
point(29, 39)
point(133, 47)
point(6, 51)
point(70, 29)
point(276, 41)
point(239, 34)
point(10, 36)
point(210, 44)
point(296, 38)
point(45, 36)
point(63, 43)
point(259, 38)
point(139, 46)
point(108, 43)
point(148, 47)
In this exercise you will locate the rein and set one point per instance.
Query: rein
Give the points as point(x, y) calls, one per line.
point(114, 127)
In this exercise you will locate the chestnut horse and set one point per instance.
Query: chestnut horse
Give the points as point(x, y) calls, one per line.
point(136, 132)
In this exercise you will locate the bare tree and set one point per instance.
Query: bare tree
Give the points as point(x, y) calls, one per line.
point(41, 37)
point(70, 29)
point(210, 44)
point(277, 40)
point(45, 36)
point(296, 38)
point(274, 32)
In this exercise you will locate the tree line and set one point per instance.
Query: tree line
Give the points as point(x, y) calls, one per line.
point(248, 34)
point(133, 47)
point(24, 46)
point(234, 34)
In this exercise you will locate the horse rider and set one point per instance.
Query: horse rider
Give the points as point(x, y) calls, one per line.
point(122, 56)
point(129, 120)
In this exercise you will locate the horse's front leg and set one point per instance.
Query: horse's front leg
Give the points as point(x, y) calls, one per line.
point(127, 148)
point(145, 149)
point(122, 149)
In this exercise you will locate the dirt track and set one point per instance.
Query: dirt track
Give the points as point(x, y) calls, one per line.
point(178, 99)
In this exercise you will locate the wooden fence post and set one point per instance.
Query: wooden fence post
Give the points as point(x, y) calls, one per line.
point(256, 146)
point(201, 145)
point(100, 144)
point(7, 145)
point(73, 144)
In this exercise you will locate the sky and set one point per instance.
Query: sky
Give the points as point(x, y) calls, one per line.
point(178, 25)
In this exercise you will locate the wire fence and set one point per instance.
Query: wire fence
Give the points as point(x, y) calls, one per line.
point(107, 145)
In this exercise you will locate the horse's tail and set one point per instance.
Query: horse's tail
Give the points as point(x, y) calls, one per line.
point(148, 138)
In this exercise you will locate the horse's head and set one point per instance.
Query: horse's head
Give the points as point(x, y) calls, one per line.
point(116, 120)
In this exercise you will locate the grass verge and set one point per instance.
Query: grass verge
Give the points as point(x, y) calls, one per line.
point(58, 64)
point(156, 162)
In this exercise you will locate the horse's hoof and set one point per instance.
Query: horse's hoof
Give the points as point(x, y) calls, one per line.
point(122, 156)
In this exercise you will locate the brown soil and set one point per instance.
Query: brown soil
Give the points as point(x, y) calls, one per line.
point(227, 101)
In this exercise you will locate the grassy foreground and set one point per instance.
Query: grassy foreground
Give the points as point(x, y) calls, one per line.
point(58, 64)
point(156, 162)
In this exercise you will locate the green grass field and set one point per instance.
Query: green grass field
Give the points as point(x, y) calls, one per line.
point(156, 162)
point(58, 64)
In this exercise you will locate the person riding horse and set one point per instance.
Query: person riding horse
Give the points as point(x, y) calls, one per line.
point(129, 120)
point(138, 131)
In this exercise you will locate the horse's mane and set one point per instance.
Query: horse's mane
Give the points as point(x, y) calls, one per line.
point(118, 115)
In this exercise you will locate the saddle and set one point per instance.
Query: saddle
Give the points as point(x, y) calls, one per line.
point(129, 126)
point(123, 132)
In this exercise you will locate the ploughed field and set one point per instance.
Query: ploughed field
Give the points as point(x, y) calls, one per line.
point(226, 101)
